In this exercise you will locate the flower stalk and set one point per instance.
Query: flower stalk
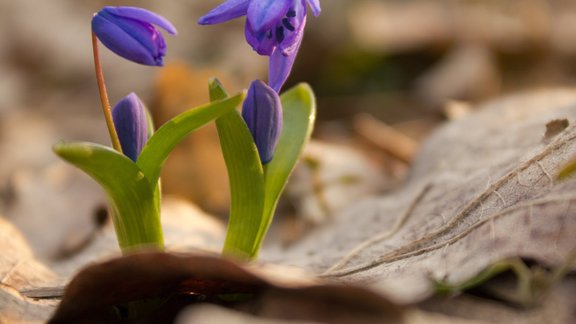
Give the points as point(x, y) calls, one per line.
point(106, 110)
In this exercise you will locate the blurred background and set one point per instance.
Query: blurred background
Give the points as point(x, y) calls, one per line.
point(385, 72)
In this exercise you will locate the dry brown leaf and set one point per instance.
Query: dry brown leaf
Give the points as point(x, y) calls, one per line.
point(482, 189)
point(20, 271)
point(18, 267)
point(181, 280)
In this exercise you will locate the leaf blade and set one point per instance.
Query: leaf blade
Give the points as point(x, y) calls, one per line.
point(130, 194)
point(164, 140)
point(246, 178)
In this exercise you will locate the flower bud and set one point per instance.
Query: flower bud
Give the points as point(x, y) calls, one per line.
point(131, 125)
point(262, 112)
point(130, 33)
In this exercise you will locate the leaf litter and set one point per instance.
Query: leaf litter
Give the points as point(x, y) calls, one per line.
point(482, 190)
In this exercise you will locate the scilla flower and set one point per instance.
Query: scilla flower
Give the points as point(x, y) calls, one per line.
point(131, 124)
point(273, 28)
point(130, 33)
point(262, 112)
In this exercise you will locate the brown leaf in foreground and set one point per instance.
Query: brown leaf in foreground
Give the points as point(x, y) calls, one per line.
point(98, 290)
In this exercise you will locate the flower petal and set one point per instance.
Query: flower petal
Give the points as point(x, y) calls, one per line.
point(298, 22)
point(226, 11)
point(142, 15)
point(264, 14)
point(263, 43)
point(120, 42)
point(147, 35)
point(281, 64)
point(129, 117)
point(315, 5)
point(262, 112)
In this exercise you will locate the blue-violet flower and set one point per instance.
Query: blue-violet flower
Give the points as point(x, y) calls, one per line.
point(130, 33)
point(130, 121)
point(273, 28)
point(262, 112)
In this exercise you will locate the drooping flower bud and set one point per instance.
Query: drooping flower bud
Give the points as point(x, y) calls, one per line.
point(130, 33)
point(130, 121)
point(262, 112)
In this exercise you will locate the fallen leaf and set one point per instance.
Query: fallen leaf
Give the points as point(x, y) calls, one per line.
point(482, 189)
point(20, 271)
point(100, 291)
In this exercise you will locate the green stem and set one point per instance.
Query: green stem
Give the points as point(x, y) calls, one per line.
point(142, 229)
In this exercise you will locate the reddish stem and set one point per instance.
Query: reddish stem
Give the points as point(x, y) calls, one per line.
point(104, 97)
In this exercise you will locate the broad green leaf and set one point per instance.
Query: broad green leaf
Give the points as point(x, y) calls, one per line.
point(160, 145)
point(246, 179)
point(133, 202)
point(299, 113)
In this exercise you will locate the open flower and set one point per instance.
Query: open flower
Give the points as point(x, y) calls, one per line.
point(130, 33)
point(273, 28)
point(131, 124)
point(262, 112)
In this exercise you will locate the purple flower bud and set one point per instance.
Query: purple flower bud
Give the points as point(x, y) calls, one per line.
point(273, 28)
point(262, 112)
point(131, 125)
point(130, 33)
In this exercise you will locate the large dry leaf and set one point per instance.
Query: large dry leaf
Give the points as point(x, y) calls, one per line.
point(482, 189)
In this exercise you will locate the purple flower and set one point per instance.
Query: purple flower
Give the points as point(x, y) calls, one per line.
point(130, 33)
point(131, 125)
point(262, 112)
point(273, 28)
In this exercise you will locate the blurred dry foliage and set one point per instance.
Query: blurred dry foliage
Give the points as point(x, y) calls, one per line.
point(386, 73)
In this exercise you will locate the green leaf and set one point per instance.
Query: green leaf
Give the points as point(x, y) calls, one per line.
point(299, 113)
point(160, 145)
point(134, 205)
point(246, 179)
point(150, 127)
